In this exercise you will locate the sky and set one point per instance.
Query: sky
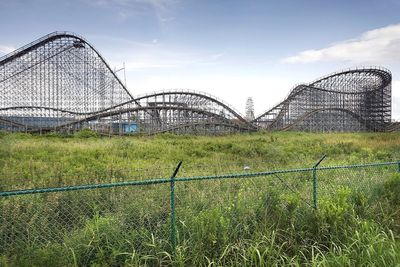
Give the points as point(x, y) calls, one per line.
point(230, 49)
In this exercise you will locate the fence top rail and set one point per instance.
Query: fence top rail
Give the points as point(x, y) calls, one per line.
point(364, 165)
point(187, 179)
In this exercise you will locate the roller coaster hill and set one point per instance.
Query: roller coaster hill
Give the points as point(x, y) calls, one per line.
point(61, 83)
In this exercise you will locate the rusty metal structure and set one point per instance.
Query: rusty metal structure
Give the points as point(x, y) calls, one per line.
point(60, 82)
point(347, 101)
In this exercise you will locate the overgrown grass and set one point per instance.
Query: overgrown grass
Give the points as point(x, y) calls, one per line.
point(243, 222)
point(35, 161)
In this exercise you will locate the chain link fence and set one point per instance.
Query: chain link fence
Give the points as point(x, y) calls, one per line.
point(362, 180)
point(144, 221)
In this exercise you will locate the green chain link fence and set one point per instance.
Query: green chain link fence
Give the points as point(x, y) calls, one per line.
point(151, 215)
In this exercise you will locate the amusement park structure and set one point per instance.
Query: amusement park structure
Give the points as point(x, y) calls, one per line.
point(351, 100)
point(60, 82)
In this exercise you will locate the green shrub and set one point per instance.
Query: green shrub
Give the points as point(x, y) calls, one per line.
point(85, 133)
point(392, 190)
point(2, 133)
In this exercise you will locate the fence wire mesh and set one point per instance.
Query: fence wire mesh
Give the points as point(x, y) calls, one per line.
point(35, 175)
point(122, 220)
point(362, 181)
point(214, 215)
point(102, 221)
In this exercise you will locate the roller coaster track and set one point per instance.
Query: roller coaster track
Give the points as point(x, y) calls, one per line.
point(197, 94)
point(277, 115)
point(117, 109)
point(51, 37)
point(61, 81)
point(218, 117)
point(394, 126)
point(62, 58)
point(311, 113)
point(48, 108)
point(12, 123)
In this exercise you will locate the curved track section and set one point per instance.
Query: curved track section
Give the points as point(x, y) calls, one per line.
point(183, 112)
point(50, 80)
point(221, 117)
point(61, 82)
point(163, 106)
point(352, 100)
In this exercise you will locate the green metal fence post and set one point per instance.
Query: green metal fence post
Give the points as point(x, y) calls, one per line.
point(314, 172)
point(172, 202)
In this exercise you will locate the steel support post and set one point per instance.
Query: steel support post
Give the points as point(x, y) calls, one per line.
point(314, 172)
point(172, 202)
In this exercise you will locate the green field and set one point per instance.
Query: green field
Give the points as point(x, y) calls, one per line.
point(260, 221)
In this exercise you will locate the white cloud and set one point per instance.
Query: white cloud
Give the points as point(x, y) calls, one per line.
point(5, 49)
point(377, 46)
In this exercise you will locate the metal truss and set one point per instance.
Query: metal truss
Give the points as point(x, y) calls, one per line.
point(352, 100)
point(61, 83)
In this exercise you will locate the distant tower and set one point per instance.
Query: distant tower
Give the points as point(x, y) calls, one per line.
point(249, 109)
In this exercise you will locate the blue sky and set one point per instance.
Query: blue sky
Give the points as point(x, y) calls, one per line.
point(231, 49)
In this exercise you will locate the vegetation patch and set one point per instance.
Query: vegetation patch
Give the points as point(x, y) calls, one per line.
point(259, 221)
